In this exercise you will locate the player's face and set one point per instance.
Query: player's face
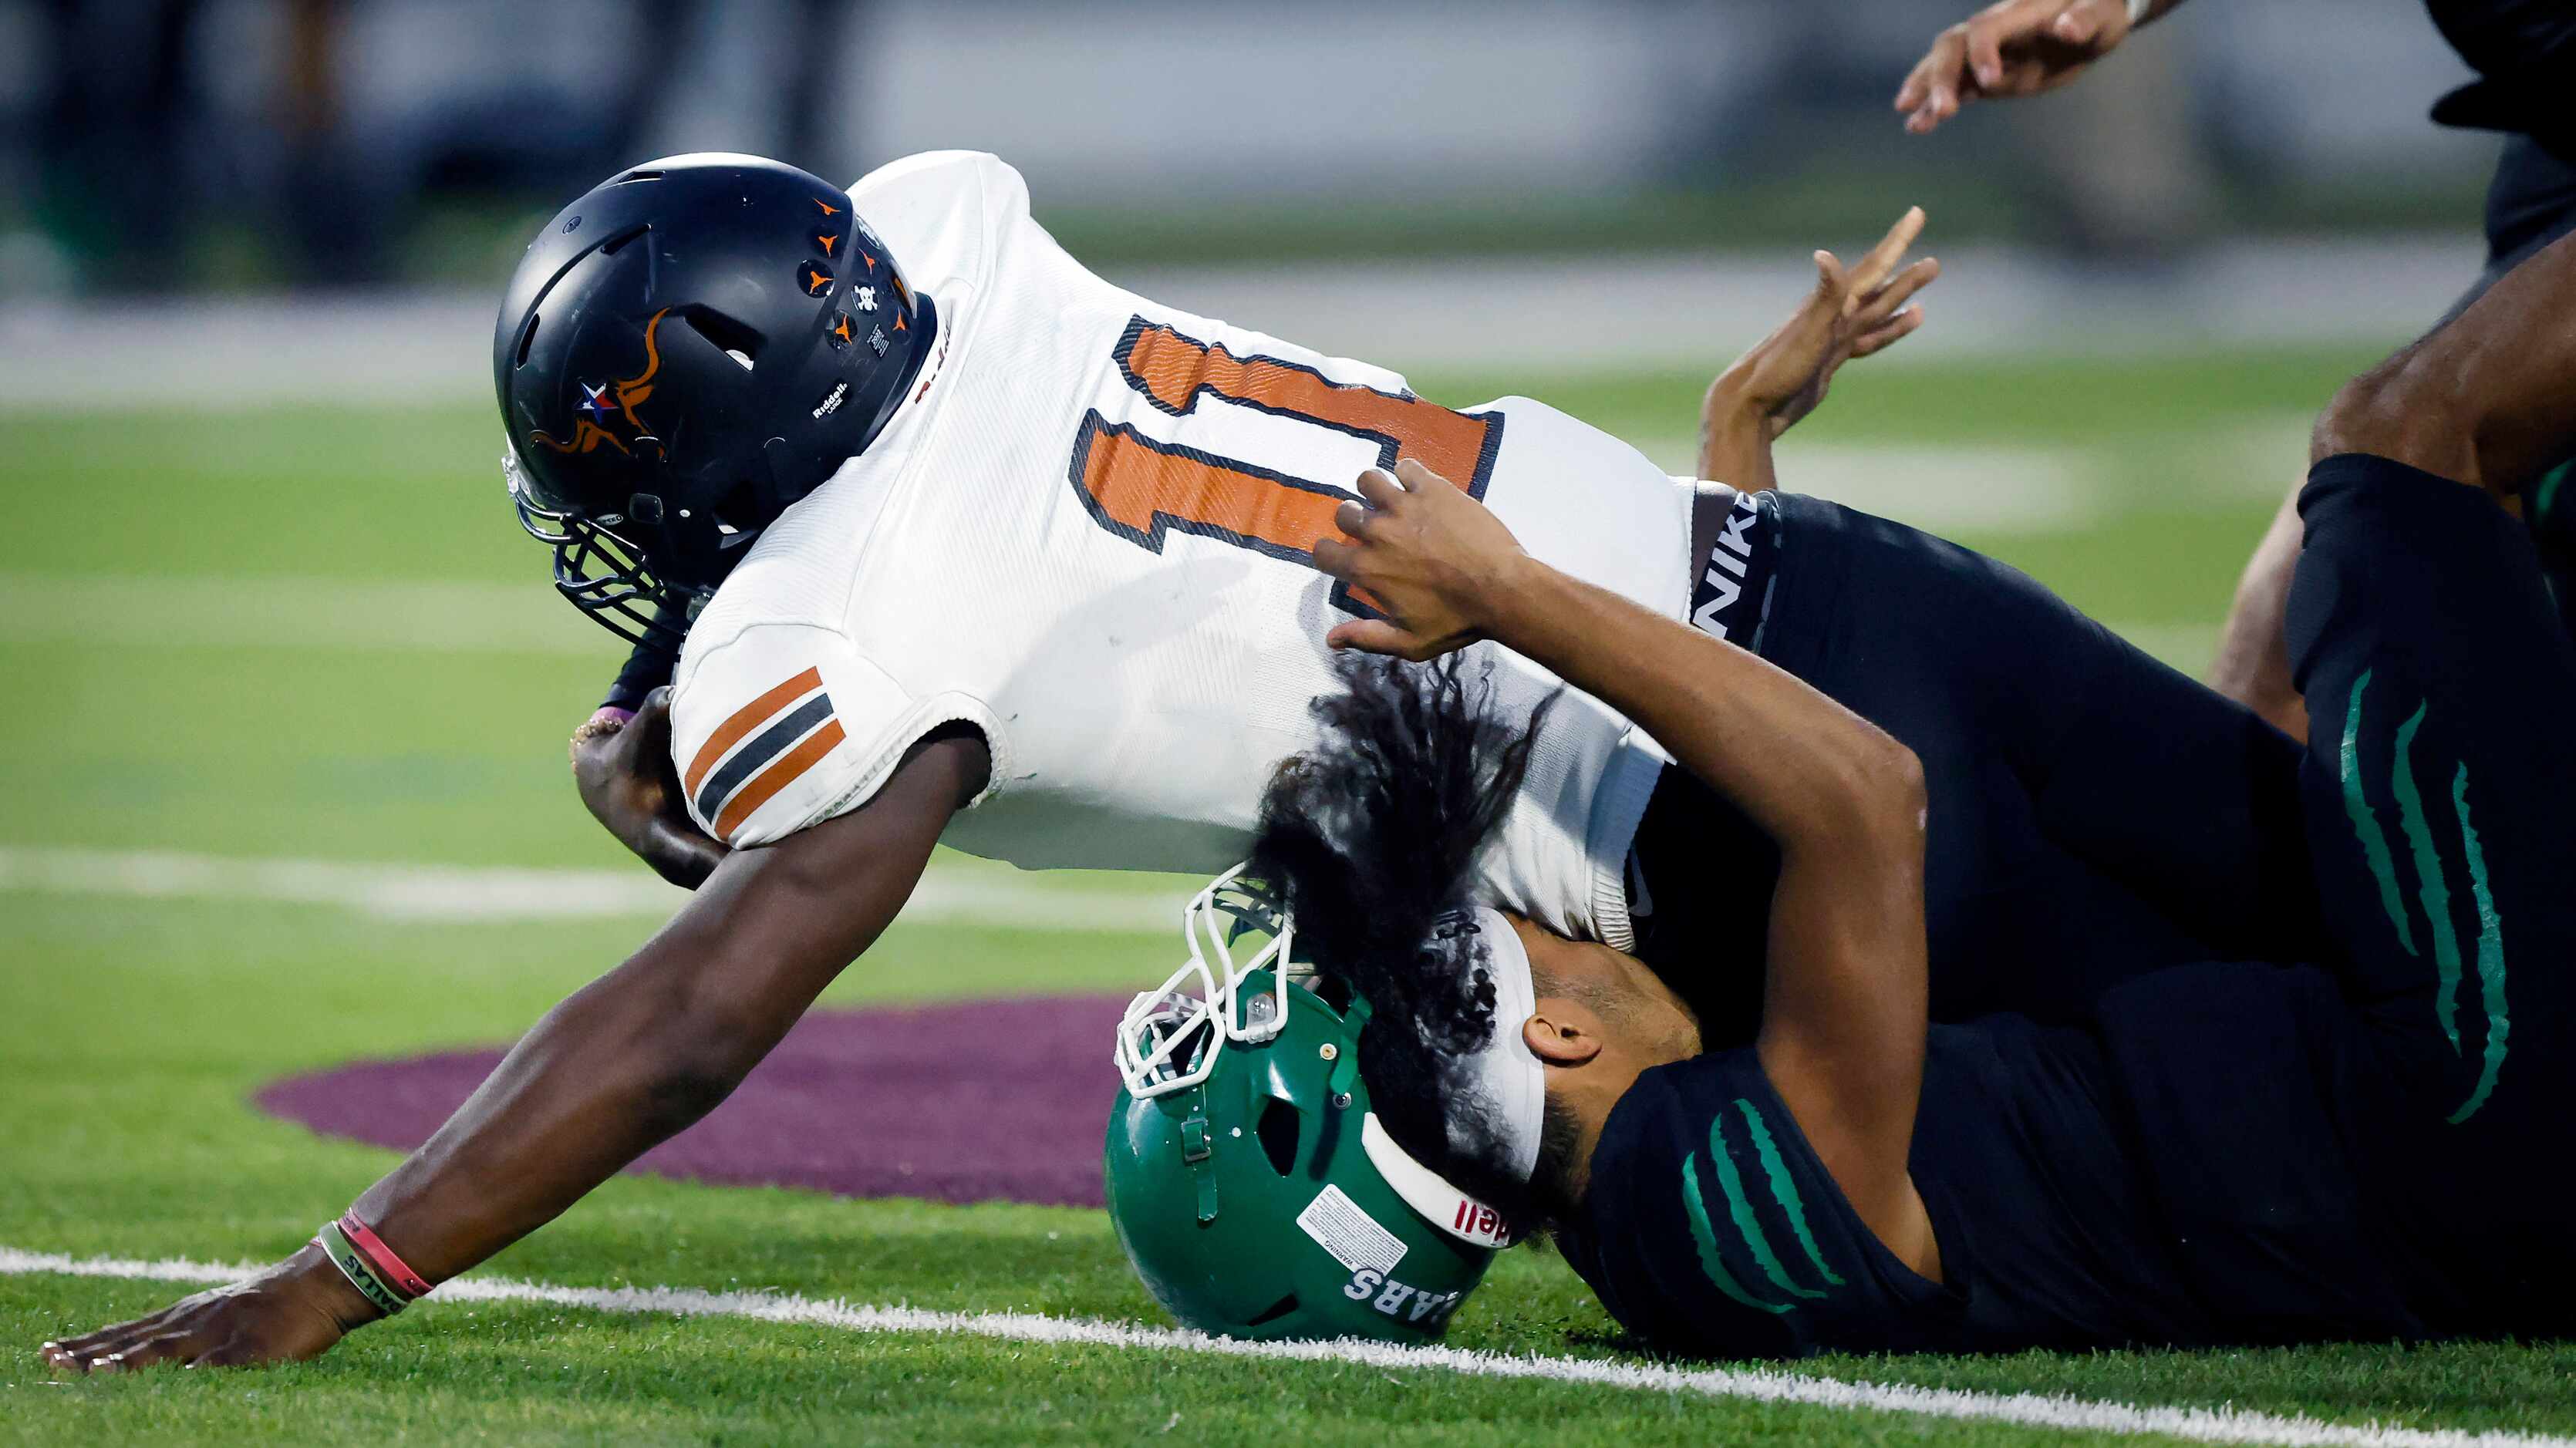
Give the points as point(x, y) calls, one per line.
point(1601, 1012)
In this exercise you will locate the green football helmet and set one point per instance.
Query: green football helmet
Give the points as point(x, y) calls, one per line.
point(1252, 1187)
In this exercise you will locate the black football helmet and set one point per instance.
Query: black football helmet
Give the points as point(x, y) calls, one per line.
point(684, 352)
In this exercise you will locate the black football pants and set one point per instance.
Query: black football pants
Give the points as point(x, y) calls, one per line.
point(2441, 799)
point(2094, 813)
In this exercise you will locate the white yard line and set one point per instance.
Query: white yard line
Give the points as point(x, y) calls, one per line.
point(487, 894)
point(2031, 1410)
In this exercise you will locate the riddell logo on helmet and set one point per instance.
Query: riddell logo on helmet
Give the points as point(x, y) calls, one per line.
point(1478, 1222)
point(1405, 1304)
point(832, 403)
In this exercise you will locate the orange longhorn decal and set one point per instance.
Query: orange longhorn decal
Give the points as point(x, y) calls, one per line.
point(828, 208)
point(828, 243)
point(629, 394)
point(586, 437)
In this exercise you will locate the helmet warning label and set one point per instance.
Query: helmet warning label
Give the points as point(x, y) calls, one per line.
point(1346, 1230)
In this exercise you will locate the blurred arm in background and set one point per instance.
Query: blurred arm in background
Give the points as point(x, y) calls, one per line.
point(2015, 48)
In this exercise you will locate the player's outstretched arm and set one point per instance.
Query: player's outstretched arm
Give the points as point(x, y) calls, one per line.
point(624, 1063)
point(1847, 984)
point(1851, 314)
point(2016, 48)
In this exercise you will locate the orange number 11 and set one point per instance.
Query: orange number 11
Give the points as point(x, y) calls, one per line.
point(1139, 489)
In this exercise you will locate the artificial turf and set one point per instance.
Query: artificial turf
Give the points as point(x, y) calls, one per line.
point(135, 1030)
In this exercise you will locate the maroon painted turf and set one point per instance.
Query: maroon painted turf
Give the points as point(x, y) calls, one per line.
point(991, 1100)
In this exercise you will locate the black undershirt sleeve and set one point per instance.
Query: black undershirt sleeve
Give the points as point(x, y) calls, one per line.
point(649, 667)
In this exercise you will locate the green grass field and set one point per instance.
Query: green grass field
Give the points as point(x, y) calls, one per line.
point(205, 651)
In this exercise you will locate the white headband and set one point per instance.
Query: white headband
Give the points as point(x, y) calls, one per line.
point(1506, 1076)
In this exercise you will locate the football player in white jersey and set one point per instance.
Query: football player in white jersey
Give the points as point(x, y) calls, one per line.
point(954, 541)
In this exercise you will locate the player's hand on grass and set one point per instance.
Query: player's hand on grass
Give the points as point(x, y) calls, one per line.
point(2011, 48)
point(1854, 313)
point(1432, 559)
point(293, 1311)
point(626, 777)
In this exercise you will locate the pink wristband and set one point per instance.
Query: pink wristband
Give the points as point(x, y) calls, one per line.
point(394, 1269)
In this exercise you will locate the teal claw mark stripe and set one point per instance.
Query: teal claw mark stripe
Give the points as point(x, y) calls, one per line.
point(2546, 496)
point(1740, 1211)
point(2365, 822)
point(2434, 889)
point(1784, 1188)
point(2490, 955)
point(1704, 1236)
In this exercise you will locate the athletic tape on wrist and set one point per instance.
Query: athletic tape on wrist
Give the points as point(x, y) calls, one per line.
point(391, 1268)
point(353, 1264)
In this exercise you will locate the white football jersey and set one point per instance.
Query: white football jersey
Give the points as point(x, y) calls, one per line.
point(1086, 534)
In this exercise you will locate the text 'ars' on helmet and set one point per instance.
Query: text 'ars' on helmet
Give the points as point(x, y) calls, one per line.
point(686, 351)
point(1254, 1189)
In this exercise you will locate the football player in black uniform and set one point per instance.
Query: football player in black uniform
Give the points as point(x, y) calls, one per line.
point(2362, 1144)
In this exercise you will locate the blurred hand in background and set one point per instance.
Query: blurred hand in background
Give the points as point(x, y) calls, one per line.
point(2011, 48)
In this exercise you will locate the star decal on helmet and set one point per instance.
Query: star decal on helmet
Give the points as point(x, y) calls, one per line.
point(603, 403)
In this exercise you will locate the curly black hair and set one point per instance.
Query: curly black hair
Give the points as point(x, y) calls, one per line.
point(1370, 840)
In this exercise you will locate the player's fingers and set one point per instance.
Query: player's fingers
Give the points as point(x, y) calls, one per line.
point(1990, 30)
point(603, 721)
point(233, 1352)
point(1833, 287)
point(1890, 299)
point(87, 1342)
point(1417, 477)
point(2091, 22)
point(175, 1346)
point(1375, 636)
point(653, 716)
point(81, 1351)
point(1380, 488)
point(1985, 54)
point(1881, 259)
point(1334, 557)
point(1889, 334)
point(1939, 67)
point(1353, 517)
point(76, 1355)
